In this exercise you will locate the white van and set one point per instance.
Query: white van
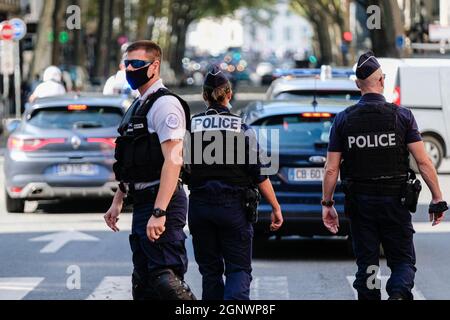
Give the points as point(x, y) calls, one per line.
point(423, 85)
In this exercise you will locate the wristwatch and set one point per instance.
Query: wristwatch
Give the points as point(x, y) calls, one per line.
point(328, 204)
point(158, 213)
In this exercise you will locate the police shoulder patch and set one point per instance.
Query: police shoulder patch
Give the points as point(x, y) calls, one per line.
point(173, 121)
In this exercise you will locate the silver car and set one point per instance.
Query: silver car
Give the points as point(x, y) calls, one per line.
point(63, 147)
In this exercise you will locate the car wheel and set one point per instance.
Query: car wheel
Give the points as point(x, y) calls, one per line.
point(14, 205)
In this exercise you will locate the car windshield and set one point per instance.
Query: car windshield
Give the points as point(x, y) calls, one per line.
point(63, 118)
point(298, 131)
point(309, 94)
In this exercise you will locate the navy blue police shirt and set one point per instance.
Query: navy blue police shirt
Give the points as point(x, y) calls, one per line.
point(254, 170)
point(406, 122)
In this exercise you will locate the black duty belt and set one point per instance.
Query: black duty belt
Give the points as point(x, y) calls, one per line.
point(148, 194)
point(373, 188)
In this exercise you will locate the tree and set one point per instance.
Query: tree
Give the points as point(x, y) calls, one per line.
point(384, 39)
point(42, 52)
point(321, 22)
point(330, 19)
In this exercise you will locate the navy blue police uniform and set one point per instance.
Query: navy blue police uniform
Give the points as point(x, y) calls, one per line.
point(221, 231)
point(159, 266)
point(373, 136)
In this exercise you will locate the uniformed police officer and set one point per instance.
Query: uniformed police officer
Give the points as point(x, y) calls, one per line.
point(373, 138)
point(149, 160)
point(224, 192)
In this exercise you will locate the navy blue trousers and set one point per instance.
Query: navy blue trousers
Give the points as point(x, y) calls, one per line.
point(222, 240)
point(376, 220)
point(167, 252)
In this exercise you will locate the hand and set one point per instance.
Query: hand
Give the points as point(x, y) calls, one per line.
point(436, 218)
point(330, 219)
point(155, 228)
point(277, 219)
point(112, 216)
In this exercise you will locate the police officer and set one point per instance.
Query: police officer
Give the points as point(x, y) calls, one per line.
point(149, 161)
point(224, 194)
point(373, 138)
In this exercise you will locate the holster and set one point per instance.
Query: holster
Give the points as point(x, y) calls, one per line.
point(251, 200)
point(410, 197)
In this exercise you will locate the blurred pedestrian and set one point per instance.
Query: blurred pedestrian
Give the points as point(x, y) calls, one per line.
point(52, 84)
point(117, 84)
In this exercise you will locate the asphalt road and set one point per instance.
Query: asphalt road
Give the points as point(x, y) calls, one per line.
point(63, 250)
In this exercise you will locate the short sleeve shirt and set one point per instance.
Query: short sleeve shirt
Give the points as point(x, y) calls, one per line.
point(406, 123)
point(166, 117)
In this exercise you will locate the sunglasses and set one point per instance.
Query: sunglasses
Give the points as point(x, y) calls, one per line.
point(136, 64)
point(383, 77)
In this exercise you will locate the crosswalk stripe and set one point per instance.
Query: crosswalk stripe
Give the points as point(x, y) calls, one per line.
point(269, 288)
point(416, 292)
point(262, 288)
point(17, 288)
point(112, 288)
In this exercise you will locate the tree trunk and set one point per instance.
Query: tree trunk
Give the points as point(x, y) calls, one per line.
point(142, 19)
point(109, 54)
point(324, 39)
point(384, 39)
point(99, 43)
point(42, 50)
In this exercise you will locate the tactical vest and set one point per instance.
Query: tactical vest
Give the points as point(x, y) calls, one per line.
point(138, 152)
point(231, 165)
point(374, 147)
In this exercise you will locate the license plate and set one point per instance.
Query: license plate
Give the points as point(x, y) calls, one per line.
point(306, 174)
point(76, 170)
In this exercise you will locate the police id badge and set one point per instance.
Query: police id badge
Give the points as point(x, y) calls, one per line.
point(216, 123)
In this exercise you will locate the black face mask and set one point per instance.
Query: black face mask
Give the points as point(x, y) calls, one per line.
point(138, 78)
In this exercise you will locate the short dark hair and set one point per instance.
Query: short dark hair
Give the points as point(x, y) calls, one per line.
point(147, 45)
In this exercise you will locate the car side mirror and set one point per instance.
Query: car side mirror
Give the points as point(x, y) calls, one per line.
point(12, 125)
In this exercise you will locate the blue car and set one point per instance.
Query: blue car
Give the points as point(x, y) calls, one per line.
point(63, 147)
point(303, 140)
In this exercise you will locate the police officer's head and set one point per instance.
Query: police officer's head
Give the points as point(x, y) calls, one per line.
point(217, 87)
point(143, 61)
point(370, 78)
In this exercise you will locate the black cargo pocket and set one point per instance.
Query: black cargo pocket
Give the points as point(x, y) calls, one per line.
point(142, 150)
point(124, 151)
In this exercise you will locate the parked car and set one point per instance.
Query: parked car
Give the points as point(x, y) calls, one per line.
point(307, 83)
point(303, 140)
point(63, 147)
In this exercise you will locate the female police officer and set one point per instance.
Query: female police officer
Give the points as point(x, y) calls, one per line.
point(221, 186)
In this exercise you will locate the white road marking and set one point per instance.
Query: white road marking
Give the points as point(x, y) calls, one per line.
point(426, 227)
point(60, 239)
point(415, 291)
point(112, 288)
point(17, 288)
point(269, 288)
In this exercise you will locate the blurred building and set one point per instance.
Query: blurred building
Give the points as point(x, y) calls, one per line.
point(285, 35)
point(276, 33)
point(213, 36)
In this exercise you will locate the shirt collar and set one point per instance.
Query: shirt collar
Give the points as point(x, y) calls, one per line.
point(372, 97)
point(218, 108)
point(153, 88)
